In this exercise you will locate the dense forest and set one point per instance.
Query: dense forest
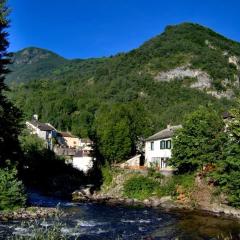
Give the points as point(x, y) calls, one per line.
point(106, 97)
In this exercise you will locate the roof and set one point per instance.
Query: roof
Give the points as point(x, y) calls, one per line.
point(42, 126)
point(66, 134)
point(165, 133)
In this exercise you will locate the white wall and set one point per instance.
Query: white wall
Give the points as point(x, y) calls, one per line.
point(156, 152)
point(83, 163)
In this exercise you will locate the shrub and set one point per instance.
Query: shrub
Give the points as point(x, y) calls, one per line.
point(107, 175)
point(140, 187)
point(11, 190)
point(169, 187)
point(153, 173)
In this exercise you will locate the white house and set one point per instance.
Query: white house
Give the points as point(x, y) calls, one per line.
point(44, 131)
point(83, 161)
point(158, 148)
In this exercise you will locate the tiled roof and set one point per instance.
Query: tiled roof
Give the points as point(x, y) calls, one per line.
point(41, 126)
point(165, 133)
point(66, 134)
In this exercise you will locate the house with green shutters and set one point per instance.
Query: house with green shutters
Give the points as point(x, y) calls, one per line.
point(158, 148)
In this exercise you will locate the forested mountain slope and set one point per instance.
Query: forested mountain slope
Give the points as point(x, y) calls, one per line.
point(162, 80)
point(33, 63)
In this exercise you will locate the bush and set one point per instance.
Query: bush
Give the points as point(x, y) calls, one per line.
point(153, 173)
point(140, 187)
point(11, 190)
point(107, 175)
point(169, 187)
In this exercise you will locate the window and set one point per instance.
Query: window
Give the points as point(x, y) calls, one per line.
point(162, 144)
point(152, 146)
point(168, 144)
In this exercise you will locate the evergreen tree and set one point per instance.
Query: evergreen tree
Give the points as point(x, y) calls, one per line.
point(9, 114)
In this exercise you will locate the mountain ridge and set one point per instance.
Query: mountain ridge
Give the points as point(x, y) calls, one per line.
point(170, 75)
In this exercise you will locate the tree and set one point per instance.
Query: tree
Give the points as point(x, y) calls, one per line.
point(119, 128)
point(227, 174)
point(113, 134)
point(200, 141)
point(9, 114)
point(11, 190)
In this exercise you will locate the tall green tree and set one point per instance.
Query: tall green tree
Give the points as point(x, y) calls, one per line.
point(200, 141)
point(227, 174)
point(119, 129)
point(9, 114)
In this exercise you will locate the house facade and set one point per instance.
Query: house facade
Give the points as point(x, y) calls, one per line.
point(44, 131)
point(83, 161)
point(68, 140)
point(158, 148)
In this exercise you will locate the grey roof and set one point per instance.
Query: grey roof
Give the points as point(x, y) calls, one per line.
point(41, 126)
point(66, 134)
point(165, 133)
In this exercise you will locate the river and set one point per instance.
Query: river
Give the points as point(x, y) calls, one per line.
point(99, 222)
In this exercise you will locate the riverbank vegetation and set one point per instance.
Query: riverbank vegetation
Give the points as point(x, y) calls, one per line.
point(206, 157)
point(208, 145)
point(143, 187)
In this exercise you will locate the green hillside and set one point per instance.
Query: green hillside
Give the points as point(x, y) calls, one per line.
point(33, 63)
point(168, 76)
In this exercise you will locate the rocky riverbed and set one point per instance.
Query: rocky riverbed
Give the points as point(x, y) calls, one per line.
point(29, 213)
point(167, 203)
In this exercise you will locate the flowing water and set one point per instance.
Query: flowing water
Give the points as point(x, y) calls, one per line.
point(99, 222)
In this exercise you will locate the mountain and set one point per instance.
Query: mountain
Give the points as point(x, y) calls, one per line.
point(33, 63)
point(170, 75)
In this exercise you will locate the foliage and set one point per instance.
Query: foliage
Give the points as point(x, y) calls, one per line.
point(107, 175)
point(102, 97)
point(200, 141)
point(9, 114)
point(57, 177)
point(170, 185)
point(227, 174)
point(11, 190)
point(153, 173)
point(118, 129)
point(30, 143)
point(140, 187)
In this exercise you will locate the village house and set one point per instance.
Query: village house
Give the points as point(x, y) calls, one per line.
point(68, 140)
point(44, 131)
point(158, 149)
point(83, 159)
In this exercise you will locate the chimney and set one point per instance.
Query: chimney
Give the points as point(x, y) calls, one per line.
point(35, 116)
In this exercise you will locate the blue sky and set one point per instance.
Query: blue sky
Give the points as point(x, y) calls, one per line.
point(95, 28)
